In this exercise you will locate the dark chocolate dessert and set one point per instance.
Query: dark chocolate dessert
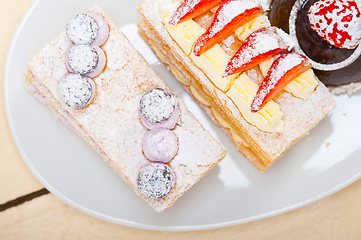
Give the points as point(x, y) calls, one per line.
point(314, 46)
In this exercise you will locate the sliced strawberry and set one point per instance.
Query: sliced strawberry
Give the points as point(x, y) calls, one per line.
point(283, 70)
point(230, 15)
point(256, 48)
point(192, 8)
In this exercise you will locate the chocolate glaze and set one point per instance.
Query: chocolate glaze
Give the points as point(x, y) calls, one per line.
point(314, 46)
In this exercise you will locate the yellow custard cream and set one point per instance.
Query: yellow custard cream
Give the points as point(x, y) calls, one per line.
point(240, 88)
point(268, 118)
point(224, 124)
point(218, 117)
point(255, 24)
point(213, 62)
point(196, 94)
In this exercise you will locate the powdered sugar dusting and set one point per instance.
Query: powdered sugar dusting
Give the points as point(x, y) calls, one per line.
point(157, 105)
point(183, 9)
point(155, 180)
point(82, 29)
point(82, 59)
point(350, 88)
point(299, 115)
point(284, 64)
point(279, 68)
point(114, 113)
point(258, 43)
point(75, 90)
point(160, 145)
point(227, 12)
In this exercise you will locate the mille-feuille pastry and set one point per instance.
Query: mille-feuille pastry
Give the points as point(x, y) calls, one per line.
point(241, 70)
point(328, 32)
point(101, 87)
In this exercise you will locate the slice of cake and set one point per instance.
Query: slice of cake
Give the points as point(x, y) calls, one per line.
point(93, 79)
point(222, 54)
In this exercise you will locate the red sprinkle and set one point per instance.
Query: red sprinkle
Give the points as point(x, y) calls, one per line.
point(336, 21)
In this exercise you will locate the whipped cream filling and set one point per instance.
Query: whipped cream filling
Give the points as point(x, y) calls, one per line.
point(69, 121)
point(218, 117)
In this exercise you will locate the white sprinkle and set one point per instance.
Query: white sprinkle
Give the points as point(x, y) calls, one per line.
point(155, 180)
point(157, 105)
point(160, 145)
point(75, 90)
point(183, 10)
point(83, 59)
point(228, 12)
point(82, 29)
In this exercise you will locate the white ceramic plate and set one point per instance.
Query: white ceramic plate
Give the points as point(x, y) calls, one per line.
point(234, 192)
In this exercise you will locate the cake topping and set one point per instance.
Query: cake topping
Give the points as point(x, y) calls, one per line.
point(192, 8)
point(283, 70)
point(103, 29)
point(255, 24)
point(230, 15)
point(82, 29)
point(155, 180)
point(75, 90)
point(317, 50)
point(85, 60)
point(285, 38)
point(336, 21)
point(242, 93)
point(159, 113)
point(160, 145)
point(82, 59)
point(157, 105)
point(167, 124)
point(258, 47)
point(318, 65)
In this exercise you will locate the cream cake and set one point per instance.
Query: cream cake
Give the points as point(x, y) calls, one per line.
point(122, 108)
point(261, 135)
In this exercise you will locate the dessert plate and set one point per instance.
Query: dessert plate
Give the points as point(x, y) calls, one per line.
point(234, 192)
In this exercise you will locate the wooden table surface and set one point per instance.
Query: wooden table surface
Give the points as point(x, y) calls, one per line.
point(28, 211)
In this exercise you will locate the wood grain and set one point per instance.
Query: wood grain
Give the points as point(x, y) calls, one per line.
point(49, 218)
point(335, 217)
point(15, 178)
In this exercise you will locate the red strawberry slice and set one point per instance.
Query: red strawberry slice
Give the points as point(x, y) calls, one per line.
point(192, 8)
point(230, 15)
point(283, 70)
point(336, 21)
point(258, 46)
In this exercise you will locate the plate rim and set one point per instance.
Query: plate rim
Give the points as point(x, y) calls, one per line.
point(122, 221)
